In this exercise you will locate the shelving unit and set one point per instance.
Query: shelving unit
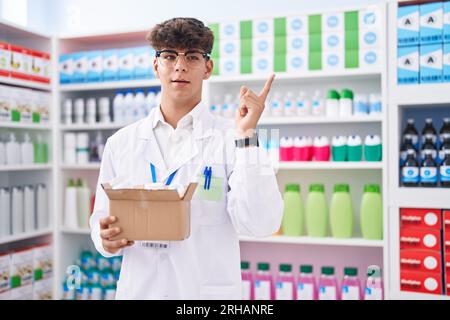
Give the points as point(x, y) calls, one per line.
point(25, 236)
point(29, 167)
point(109, 85)
point(317, 120)
point(302, 165)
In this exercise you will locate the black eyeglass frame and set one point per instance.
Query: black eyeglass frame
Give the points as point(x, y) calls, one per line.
point(205, 55)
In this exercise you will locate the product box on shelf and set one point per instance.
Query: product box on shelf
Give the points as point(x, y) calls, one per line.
point(446, 62)
point(297, 62)
point(228, 66)
point(333, 22)
point(420, 239)
point(126, 64)
point(22, 268)
point(43, 261)
point(5, 58)
point(159, 215)
point(423, 282)
point(431, 66)
point(229, 30)
point(262, 64)
point(66, 68)
point(262, 28)
point(420, 218)
point(296, 25)
point(431, 22)
point(42, 290)
point(20, 62)
point(408, 25)
point(420, 261)
point(94, 66)
point(370, 18)
point(40, 66)
point(5, 262)
point(80, 67)
point(143, 62)
point(24, 292)
point(230, 48)
point(408, 65)
point(110, 65)
point(368, 58)
point(446, 35)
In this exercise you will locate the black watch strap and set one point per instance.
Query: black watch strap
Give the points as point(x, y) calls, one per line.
point(248, 141)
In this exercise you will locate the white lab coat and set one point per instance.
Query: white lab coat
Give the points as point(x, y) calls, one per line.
point(207, 264)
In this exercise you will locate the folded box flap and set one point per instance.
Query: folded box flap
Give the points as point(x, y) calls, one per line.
point(141, 195)
point(190, 191)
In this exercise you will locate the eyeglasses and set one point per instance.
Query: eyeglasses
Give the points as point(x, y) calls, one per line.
point(193, 58)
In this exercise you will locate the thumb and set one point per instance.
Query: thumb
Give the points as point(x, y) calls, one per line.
point(243, 91)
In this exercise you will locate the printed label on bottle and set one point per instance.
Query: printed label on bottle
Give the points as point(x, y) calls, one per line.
point(410, 174)
point(262, 290)
point(350, 293)
point(445, 173)
point(428, 175)
point(246, 290)
point(305, 291)
point(327, 293)
point(373, 294)
point(288, 105)
point(284, 291)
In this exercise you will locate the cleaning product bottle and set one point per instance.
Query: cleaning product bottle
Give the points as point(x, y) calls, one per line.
point(292, 224)
point(375, 106)
point(289, 104)
point(346, 103)
point(71, 209)
point(17, 213)
point(354, 148)
point(411, 130)
point(303, 105)
point(361, 106)
point(40, 150)
point(321, 149)
point(285, 283)
point(247, 282)
point(374, 284)
point(351, 286)
point(428, 171)
point(26, 149)
point(303, 149)
point(339, 148)
point(445, 170)
point(264, 288)
point(317, 105)
point(328, 285)
point(341, 212)
point(372, 213)
point(316, 211)
point(13, 155)
point(29, 209)
point(332, 103)
point(410, 171)
point(306, 284)
point(276, 108)
point(83, 204)
point(42, 206)
point(286, 149)
point(227, 110)
point(372, 148)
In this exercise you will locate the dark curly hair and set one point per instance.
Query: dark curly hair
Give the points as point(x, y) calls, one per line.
point(188, 33)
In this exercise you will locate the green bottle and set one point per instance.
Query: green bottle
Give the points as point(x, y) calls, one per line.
point(316, 211)
point(372, 213)
point(40, 150)
point(292, 223)
point(341, 212)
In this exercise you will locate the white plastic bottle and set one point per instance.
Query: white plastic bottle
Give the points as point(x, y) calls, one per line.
point(289, 107)
point(70, 148)
point(276, 107)
point(2, 153)
point(150, 100)
point(332, 104)
point(5, 212)
point(103, 107)
point(26, 149)
point(68, 111)
point(17, 210)
point(29, 209)
point(317, 106)
point(128, 107)
point(227, 106)
point(82, 144)
point(91, 110)
point(361, 105)
point(139, 105)
point(346, 103)
point(71, 209)
point(375, 104)
point(42, 207)
point(13, 155)
point(83, 204)
point(215, 107)
point(118, 107)
point(79, 110)
point(303, 105)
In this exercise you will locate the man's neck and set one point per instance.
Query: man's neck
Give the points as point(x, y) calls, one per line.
point(173, 111)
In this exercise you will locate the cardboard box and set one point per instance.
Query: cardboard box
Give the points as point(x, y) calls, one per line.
point(420, 239)
point(408, 23)
point(420, 261)
point(5, 58)
point(420, 218)
point(5, 282)
point(20, 63)
point(431, 66)
point(408, 65)
point(421, 282)
point(43, 262)
point(159, 215)
point(431, 23)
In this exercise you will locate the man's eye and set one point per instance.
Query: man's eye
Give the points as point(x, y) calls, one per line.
point(193, 58)
point(169, 57)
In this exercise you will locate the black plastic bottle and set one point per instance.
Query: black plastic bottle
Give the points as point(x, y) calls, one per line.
point(444, 146)
point(444, 176)
point(445, 129)
point(429, 130)
point(410, 170)
point(406, 145)
point(428, 145)
point(428, 171)
point(411, 130)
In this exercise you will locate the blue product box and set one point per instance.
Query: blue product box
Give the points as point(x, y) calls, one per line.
point(143, 62)
point(431, 63)
point(95, 66)
point(126, 64)
point(446, 35)
point(446, 62)
point(431, 23)
point(110, 65)
point(65, 68)
point(408, 65)
point(79, 67)
point(408, 23)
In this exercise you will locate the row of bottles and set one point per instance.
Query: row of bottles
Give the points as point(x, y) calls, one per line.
point(286, 286)
point(82, 148)
point(78, 205)
point(27, 151)
point(316, 217)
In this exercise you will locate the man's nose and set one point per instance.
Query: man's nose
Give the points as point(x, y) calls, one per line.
point(180, 64)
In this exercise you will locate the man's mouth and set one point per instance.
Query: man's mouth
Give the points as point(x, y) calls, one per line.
point(180, 81)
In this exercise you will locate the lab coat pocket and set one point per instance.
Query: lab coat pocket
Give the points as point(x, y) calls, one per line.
point(215, 191)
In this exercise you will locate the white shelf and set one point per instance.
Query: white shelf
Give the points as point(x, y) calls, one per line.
point(75, 231)
point(25, 236)
point(286, 120)
point(410, 197)
point(126, 84)
point(329, 165)
point(28, 126)
point(406, 295)
point(25, 83)
point(421, 94)
point(29, 167)
point(329, 76)
point(95, 126)
point(88, 166)
point(328, 241)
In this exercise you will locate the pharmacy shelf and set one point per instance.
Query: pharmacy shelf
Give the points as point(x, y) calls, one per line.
point(97, 86)
point(75, 231)
point(28, 126)
point(87, 166)
point(89, 127)
point(25, 83)
point(421, 94)
point(30, 167)
point(328, 241)
point(25, 236)
point(410, 197)
point(329, 165)
point(329, 76)
point(405, 295)
point(317, 120)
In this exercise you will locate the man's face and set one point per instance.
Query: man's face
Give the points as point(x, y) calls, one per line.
point(181, 78)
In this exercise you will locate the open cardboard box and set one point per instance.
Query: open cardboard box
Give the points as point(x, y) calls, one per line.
point(155, 215)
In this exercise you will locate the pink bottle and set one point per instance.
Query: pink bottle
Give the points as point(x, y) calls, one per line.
point(303, 149)
point(286, 149)
point(321, 149)
point(306, 284)
point(374, 285)
point(285, 283)
point(264, 287)
point(351, 286)
point(248, 292)
point(328, 285)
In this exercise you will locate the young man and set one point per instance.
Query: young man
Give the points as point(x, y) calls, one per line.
point(182, 136)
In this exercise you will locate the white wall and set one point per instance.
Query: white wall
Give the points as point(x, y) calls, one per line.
point(66, 17)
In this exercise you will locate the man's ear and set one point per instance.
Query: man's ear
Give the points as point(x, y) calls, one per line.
point(209, 69)
point(155, 67)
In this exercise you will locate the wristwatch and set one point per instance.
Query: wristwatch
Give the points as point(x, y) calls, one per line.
point(248, 141)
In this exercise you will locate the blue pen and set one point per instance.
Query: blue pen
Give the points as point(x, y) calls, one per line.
point(209, 177)
point(205, 173)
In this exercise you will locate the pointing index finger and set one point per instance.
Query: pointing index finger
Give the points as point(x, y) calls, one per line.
point(265, 91)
